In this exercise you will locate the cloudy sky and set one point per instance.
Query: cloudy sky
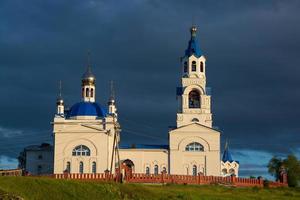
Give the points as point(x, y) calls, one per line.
point(253, 66)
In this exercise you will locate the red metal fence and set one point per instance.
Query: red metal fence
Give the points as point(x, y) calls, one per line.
point(175, 179)
point(98, 177)
point(162, 178)
point(199, 179)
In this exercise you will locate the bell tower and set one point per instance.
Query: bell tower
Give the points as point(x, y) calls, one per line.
point(88, 83)
point(194, 102)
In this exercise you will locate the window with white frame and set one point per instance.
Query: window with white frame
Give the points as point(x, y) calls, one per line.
point(94, 168)
point(194, 146)
point(156, 169)
point(81, 167)
point(147, 170)
point(194, 170)
point(68, 167)
point(81, 150)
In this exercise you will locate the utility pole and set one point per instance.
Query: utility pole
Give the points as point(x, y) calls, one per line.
point(115, 151)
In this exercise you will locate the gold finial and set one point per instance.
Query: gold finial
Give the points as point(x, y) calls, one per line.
point(60, 100)
point(60, 88)
point(88, 78)
point(112, 90)
point(193, 31)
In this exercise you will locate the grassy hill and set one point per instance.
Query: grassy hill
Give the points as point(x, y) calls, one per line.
point(45, 188)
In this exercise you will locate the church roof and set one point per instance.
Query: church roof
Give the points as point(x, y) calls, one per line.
point(87, 109)
point(227, 155)
point(144, 146)
point(193, 47)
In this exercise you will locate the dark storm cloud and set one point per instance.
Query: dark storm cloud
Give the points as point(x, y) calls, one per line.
point(252, 50)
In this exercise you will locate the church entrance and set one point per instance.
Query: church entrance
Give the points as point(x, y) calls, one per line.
point(127, 167)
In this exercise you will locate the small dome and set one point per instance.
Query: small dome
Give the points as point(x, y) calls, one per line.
point(87, 109)
point(88, 77)
point(60, 101)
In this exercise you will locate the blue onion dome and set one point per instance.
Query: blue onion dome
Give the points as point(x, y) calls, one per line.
point(193, 47)
point(88, 77)
point(87, 109)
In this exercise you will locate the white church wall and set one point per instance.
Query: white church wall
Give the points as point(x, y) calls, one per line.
point(70, 134)
point(143, 158)
point(207, 161)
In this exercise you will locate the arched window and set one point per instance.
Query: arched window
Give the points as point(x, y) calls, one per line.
point(94, 168)
point(81, 167)
point(156, 169)
point(193, 66)
point(194, 146)
point(194, 99)
point(232, 171)
point(224, 171)
point(194, 170)
point(147, 170)
point(81, 150)
point(164, 170)
point(92, 92)
point(185, 67)
point(201, 67)
point(87, 91)
point(68, 167)
point(195, 120)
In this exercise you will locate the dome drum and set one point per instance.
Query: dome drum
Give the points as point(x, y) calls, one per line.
point(87, 109)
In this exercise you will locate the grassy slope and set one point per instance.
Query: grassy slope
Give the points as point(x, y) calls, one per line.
point(44, 188)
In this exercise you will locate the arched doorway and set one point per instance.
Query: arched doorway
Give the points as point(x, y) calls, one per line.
point(127, 167)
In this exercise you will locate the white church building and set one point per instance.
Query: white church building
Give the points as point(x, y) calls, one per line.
point(87, 136)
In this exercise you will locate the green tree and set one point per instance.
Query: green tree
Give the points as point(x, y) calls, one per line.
point(274, 166)
point(291, 164)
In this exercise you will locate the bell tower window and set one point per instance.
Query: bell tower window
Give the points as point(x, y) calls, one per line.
point(193, 66)
point(201, 67)
point(92, 92)
point(185, 67)
point(87, 91)
point(194, 99)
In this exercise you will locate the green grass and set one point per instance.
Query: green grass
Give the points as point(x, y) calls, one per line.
point(46, 188)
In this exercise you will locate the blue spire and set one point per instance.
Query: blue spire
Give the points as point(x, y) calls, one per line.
point(227, 154)
point(193, 48)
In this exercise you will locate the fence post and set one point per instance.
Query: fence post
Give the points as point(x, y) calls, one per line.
point(199, 178)
point(233, 180)
point(261, 181)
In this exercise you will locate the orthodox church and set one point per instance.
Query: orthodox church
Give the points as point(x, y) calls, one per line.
point(87, 136)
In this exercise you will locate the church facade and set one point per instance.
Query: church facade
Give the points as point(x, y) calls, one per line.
point(87, 136)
